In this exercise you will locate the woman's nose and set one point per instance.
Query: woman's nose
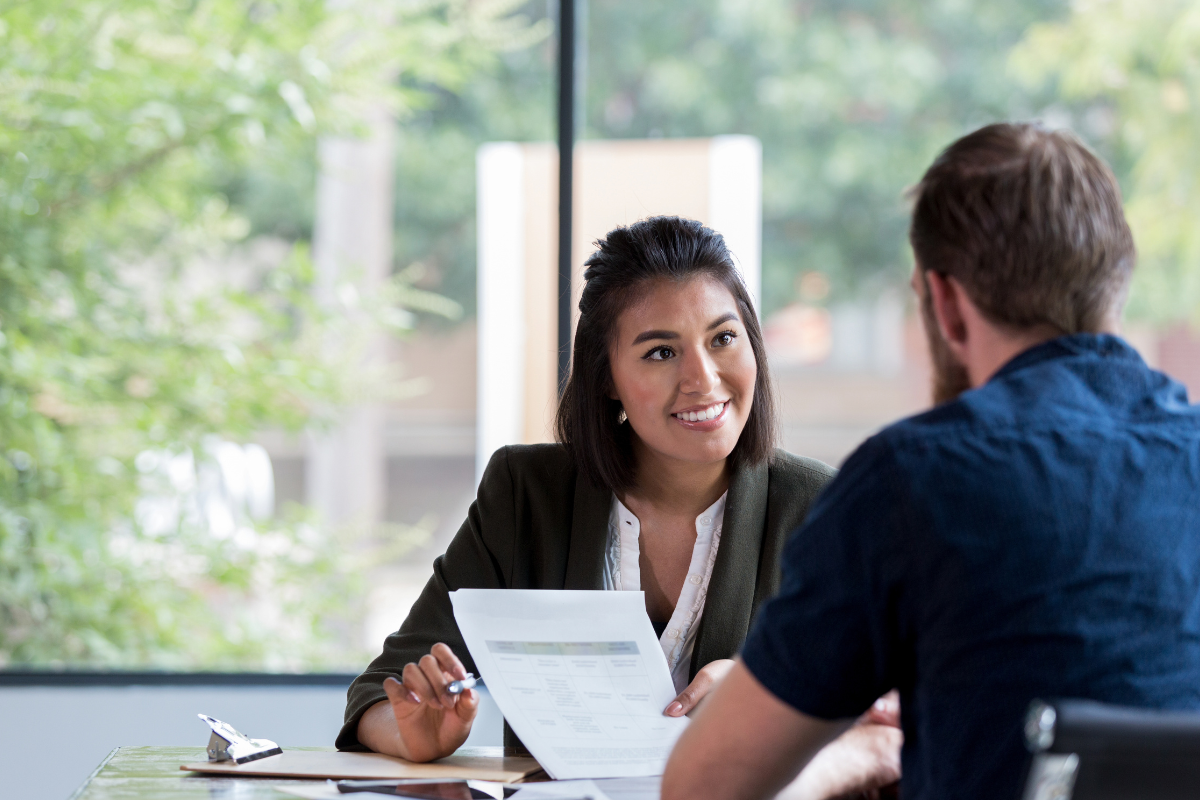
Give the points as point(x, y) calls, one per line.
point(699, 374)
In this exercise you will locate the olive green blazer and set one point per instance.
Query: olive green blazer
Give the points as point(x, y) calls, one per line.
point(537, 524)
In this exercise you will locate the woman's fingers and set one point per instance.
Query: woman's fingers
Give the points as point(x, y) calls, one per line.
point(431, 722)
point(438, 680)
point(862, 760)
point(417, 682)
point(885, 710)
point(397, 692)
point(467, 705)
point(687, 699)
point(708, 677)
point(403, 702)
point(448, 661)
point(875, 750)
point(427, 679)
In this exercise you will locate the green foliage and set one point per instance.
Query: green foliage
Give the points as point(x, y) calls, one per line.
point(134, 320)
point(435, 162)
point(850, 99)
point(1135, 70)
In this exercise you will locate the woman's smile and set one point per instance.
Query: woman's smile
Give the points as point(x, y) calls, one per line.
point(702, 418)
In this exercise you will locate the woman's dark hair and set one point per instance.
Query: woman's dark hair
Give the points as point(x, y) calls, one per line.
point(653, 249)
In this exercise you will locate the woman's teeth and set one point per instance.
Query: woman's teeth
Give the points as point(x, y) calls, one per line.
point(695, 416)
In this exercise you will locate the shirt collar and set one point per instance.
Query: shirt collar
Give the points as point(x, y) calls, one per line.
point(709, 519)
point(1105, 345)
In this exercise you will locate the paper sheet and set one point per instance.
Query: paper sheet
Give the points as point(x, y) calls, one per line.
point(632, 788)
point(646, 788)
point(579, 676)
point(328, 791)
point(604, 789)
point(560, 790)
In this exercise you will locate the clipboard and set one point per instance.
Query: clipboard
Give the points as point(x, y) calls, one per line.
point(478, 763)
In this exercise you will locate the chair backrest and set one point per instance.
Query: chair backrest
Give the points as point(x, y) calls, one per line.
point(1084, 750)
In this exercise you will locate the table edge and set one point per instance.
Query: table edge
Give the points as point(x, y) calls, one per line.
point(88, 780)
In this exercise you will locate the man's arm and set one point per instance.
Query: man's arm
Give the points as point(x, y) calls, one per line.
point(743, 743)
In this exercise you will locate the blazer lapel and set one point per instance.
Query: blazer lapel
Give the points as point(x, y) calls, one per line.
point(730, 599)
point(589, 536)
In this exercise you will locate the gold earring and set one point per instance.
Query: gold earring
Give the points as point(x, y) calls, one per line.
point(621, 417)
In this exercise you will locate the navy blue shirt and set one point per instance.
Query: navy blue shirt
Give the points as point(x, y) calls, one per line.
point(1037, 537)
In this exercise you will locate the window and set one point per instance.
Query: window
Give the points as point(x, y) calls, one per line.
point(240, 398)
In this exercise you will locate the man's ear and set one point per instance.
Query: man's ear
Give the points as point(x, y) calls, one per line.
point(947, 297)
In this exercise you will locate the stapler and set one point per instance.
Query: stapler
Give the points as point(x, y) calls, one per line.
point(226, 744)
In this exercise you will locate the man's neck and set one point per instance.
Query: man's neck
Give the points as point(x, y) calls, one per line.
point(990, 346)
point(993, 347)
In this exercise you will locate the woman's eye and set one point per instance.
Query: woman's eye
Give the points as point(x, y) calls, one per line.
point(660, 354)
point(724, 339)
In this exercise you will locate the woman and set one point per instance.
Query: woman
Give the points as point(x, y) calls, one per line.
point(665, 480)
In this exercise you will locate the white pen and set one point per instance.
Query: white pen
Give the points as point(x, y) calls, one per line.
point(469, 682)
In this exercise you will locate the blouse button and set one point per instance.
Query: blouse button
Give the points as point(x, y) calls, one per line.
point(694, 580)
point(674, 634)
point(705, 520)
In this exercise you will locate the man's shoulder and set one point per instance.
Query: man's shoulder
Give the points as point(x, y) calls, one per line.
point(977, 412)
point(929, 425)
point(1075, 396)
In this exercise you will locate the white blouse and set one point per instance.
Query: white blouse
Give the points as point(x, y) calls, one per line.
point(622, 572)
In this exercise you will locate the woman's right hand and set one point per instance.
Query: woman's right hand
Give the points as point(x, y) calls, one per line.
point(427, 722)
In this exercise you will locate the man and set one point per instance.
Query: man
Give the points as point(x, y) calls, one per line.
point(1037, 534)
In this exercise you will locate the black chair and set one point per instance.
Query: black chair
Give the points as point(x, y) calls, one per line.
point(1084, 750)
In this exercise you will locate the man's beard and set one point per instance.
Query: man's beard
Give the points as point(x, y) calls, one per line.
point(950, 378)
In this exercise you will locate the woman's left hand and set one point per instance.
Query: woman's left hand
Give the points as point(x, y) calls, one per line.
point(705, 681)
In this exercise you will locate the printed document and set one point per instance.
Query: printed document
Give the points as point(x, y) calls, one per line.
point(560, 790)
point(579, 676)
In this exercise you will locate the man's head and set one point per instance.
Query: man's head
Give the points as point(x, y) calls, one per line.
point(1025, 227)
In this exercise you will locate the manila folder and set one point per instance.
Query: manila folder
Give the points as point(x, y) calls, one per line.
point(478, 763)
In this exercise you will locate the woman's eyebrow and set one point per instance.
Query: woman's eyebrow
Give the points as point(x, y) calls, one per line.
point(659, 334)
point(730, 317)
point(662, 334)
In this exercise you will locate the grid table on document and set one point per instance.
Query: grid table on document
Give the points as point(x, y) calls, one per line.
point(582, 691)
